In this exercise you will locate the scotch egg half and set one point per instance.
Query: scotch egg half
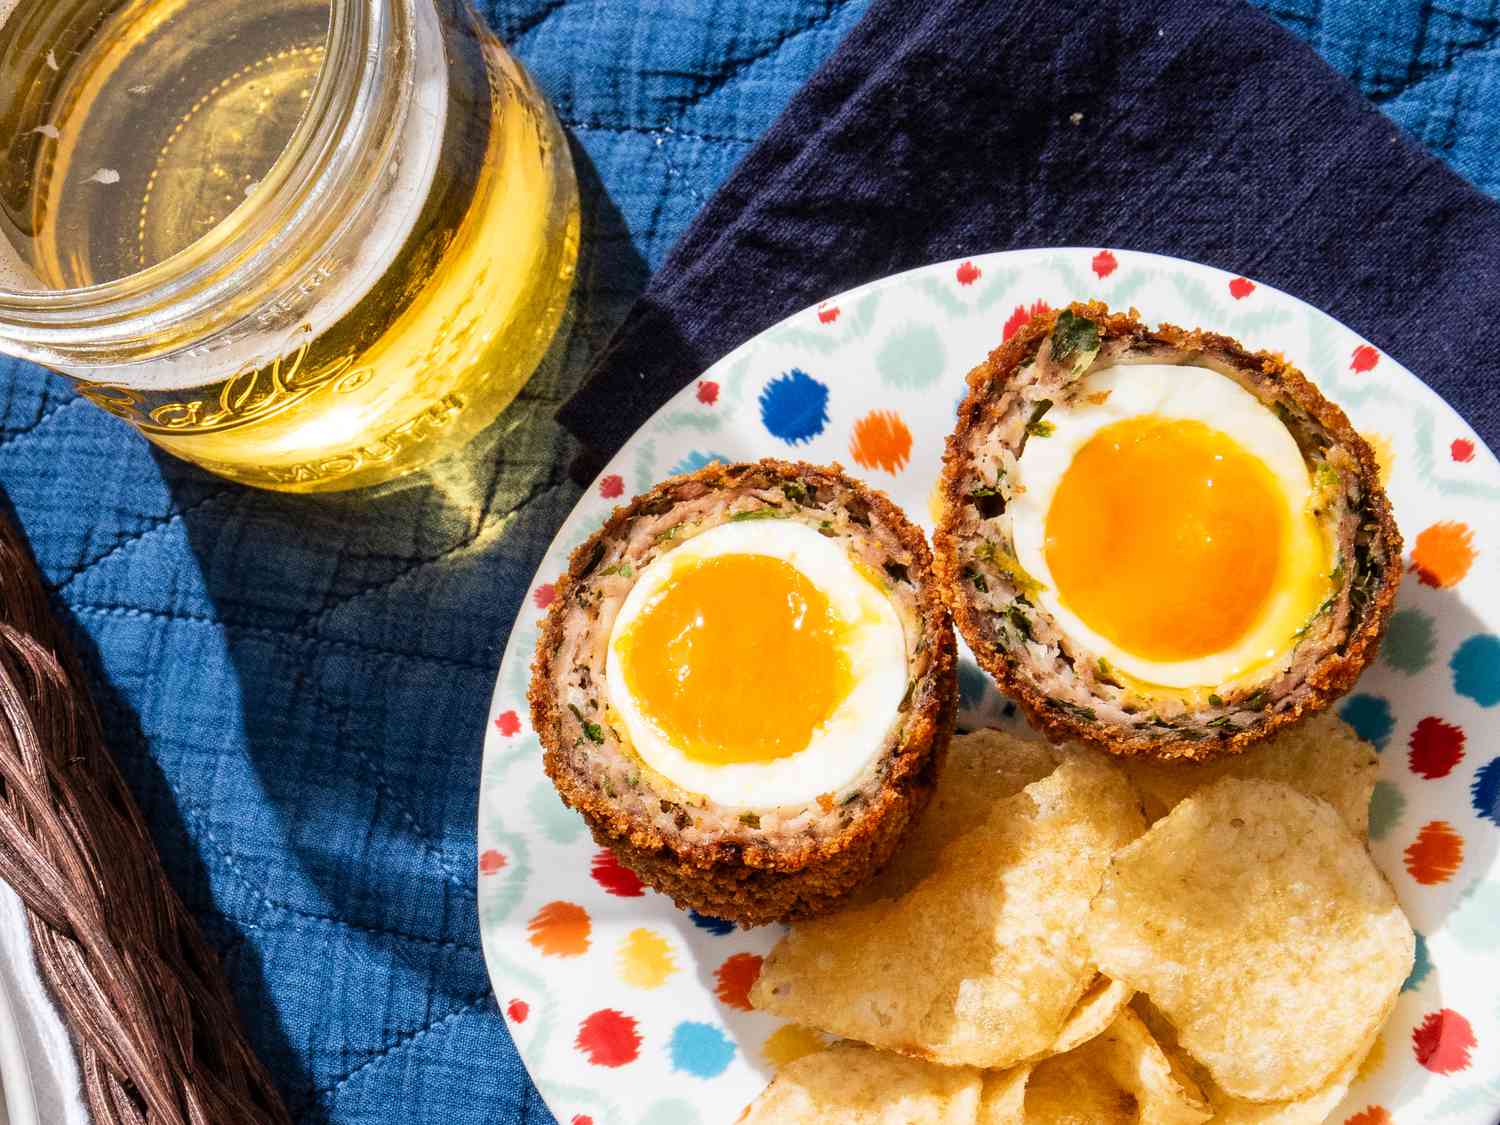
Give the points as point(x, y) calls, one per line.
point(746, 685)
point(1157, 541)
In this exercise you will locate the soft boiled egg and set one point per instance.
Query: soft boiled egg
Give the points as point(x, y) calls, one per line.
point(1165, 514)
point(757, 665)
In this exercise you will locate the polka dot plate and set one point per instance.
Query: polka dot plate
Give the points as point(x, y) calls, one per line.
point(631, 1012)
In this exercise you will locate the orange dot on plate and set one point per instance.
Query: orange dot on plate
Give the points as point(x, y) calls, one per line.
point(1435, 854)
point(736, 976)
point(1370, 1115)
point(560, 929)
point(881, 440)
point(1443, 554)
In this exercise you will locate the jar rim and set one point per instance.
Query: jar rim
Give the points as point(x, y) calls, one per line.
point(320, 163)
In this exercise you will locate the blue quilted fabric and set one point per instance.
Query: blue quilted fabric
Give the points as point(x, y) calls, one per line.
point(296, 688)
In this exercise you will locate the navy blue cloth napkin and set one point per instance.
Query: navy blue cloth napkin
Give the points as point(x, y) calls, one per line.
point(951, 127)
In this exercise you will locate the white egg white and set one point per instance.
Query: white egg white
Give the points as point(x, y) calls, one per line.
point(874, 642)
point(1170, 391)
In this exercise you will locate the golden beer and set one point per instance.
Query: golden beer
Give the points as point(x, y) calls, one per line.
point(316, 273)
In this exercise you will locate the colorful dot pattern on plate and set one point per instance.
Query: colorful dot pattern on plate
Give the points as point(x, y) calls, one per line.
point(631, 1012)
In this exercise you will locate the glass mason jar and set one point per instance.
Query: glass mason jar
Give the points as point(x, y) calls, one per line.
point(307, 244)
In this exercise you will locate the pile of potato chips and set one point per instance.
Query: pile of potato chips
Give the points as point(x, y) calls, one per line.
point(1039, 952)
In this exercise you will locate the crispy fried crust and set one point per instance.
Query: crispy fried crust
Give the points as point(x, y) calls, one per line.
point(746, 876)
point(1251, 716)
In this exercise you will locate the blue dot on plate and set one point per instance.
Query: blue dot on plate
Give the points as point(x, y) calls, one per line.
point(1486, 791)
point(716, 926)
point(1476, 669)
point(973, 685)
point(1370, 716)
point(700, 1049)
point(794, 407)
point(1421, 965)
point(696, 460)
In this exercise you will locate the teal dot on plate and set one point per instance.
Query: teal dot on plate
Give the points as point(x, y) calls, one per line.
point(1472, 922)
point(912, 357)
point(700, 1049)
point(1386, 806)
point(1476, 669)
point(556, 821)
point(1421, 965)
point(1370, 716)
point(1409, 641)
point(672, 1111)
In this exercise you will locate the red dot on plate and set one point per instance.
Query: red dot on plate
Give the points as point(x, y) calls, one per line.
point(1241, 287)
point(828, 315)
point(1436, 747)
point(612, 486)
point(508, 723)
point(491, 862)
point(545, 595)
point(1462, 449)
point(615, 878)
point(608, 1038)
point(518, 1010)
point(708, 392)
point(1442, 1042)
point(582, 1119)
point(1365, 358)
point(968, 273)
point(1104, 263)
point(1022, 317)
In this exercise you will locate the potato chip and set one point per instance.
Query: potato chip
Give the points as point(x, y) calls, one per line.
point(1164, 1091)
point(851, 1084)
point(1096, 1009)
point(982, 768)
point(982, 963)
point(1002, 1097)
point(1255, 920)
point(1074, 1089)
point(1311, 1109)
point(1322, 757)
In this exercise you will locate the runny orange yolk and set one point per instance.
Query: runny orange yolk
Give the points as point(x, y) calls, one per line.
point(1166, 537)
point(740, 659)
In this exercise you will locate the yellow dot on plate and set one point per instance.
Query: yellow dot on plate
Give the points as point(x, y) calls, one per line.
point(646, 959)
point(1385, 455)
point(935, 502)
point(1373, 1060)
point(790, 1042)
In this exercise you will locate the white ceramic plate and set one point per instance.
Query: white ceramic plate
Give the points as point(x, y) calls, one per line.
point(629, 1011)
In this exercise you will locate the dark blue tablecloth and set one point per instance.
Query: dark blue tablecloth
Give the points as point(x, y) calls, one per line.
point(296, 687)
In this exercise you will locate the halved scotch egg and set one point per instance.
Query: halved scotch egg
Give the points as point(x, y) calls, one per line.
point(1158, 542)
point(746, 685)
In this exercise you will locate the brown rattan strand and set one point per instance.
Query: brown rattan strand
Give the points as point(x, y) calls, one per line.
point(158, 1037)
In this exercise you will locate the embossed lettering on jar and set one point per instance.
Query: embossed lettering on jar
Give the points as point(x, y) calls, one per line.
point(308, 244)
